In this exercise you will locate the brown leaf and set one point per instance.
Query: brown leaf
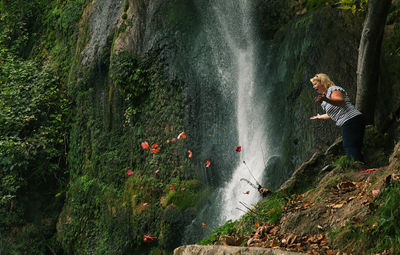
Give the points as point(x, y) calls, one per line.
point(274, 231)
point(331, 252)
point(291, 238)
point(320, 237)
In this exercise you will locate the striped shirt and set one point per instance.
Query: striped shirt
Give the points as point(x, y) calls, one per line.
point(340, 114)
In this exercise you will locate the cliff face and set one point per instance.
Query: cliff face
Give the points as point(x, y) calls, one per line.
point(309, 44)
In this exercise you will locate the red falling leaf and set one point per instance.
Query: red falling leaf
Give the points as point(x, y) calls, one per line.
point(130, 172)
point(239, 149)
point(173, 139)
point(145, 204)
point(145, 145)
point(208, 163)
point(190, 153)
point(171, 187)
point(182, 135)
point(368, 170)
point(158, 170)
point(155, 148)
point(149, 238)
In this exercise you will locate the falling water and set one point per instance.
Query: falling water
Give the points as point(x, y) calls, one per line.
point(250, 119)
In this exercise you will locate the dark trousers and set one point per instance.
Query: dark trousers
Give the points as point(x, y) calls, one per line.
point(353, 135)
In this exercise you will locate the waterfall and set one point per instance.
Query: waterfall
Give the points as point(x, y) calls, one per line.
point(229, 63)
point(249, 117)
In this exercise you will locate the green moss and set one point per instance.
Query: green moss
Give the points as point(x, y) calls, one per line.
point(126, 5)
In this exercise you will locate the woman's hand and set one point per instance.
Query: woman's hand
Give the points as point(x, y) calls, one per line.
point(320, 117)
point(321, 97)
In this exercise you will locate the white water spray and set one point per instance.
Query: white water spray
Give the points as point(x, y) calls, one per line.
point(250, 118)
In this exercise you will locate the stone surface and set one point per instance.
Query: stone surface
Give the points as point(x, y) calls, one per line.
point(227, 250)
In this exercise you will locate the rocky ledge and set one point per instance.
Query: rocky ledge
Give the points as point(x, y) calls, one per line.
point(227, 250)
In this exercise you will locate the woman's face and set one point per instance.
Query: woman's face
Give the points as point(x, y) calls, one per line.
point(318, 87)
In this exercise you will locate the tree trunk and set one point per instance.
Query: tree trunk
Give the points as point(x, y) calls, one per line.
point(369, 56)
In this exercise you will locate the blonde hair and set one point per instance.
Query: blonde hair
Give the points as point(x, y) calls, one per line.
point(324, 79)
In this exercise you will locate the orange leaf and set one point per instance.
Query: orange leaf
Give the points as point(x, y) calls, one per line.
point(145, 145)
point(190, 153)
point(155, 149)
point(182, 135)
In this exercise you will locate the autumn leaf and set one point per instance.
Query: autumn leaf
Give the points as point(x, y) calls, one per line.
point(368, 170)
point(130, 172)
point(168, 140)
point(149, 238)
point(154, 148)
point(190, 153)
point(145, 145)
point(375, 192)
point(171, 187)
point(145, 204)
point(239, 149)
point(182, 135)
point(247, 192)
point(203, 225)
point(173, 139)
point(158, 170)
point(208, 163)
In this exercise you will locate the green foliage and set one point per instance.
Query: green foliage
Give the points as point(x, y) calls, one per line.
point(34, 115)
point(31, 126)
point(32, 138)
point(268, 210)
point(126, 5)
point(228, 228)
point(356, 6)
point(315, 4)
point(386, 234)
point(186, 194)
point(342, 161)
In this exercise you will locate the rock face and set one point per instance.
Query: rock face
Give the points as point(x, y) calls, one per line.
point(227, 250)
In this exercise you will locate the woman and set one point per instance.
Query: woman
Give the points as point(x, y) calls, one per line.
point(337, 106)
